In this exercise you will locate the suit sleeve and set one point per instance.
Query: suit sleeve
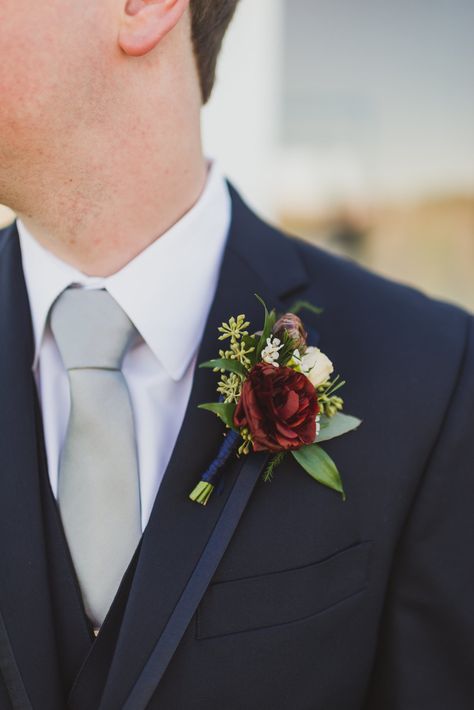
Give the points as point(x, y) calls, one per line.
point(425, 655)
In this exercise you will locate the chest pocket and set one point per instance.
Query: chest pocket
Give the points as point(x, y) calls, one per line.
point(285, 596)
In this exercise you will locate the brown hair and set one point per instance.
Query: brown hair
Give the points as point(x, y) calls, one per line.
point(210, 19)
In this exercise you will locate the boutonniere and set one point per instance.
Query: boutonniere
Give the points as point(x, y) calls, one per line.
point(276, 394)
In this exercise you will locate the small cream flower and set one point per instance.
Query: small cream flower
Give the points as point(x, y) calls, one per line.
point(318, 426)
point(317, 367)
point(271, 353)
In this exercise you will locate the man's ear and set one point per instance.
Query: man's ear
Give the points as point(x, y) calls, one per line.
point(145, 22)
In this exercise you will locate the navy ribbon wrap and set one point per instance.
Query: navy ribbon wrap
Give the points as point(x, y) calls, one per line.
point(213, 476)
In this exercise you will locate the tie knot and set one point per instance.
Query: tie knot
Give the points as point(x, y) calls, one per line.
point(90, 329)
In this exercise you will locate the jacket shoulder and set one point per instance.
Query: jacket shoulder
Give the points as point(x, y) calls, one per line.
point(374, 314)
point(367, 301)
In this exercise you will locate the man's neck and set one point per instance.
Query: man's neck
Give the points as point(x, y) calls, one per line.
point(99, 232)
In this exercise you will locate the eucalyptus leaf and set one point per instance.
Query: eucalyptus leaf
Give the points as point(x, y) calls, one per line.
point(223, 410)
point(229, 365)
point(339, 424)
point(320, 466)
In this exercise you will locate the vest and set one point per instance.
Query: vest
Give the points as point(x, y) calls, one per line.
point(84, 659)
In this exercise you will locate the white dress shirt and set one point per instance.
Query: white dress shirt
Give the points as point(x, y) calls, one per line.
point(166, 291)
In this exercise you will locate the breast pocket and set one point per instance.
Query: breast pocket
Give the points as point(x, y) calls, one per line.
point(285, 596)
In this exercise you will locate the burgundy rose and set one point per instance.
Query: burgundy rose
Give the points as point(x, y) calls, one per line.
point(279, 407)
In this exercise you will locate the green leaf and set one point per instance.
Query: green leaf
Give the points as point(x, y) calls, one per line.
point(251, 341)
point(223, 410)
point(289, 346)
point(338, 425)
point(320, 466)
point(223, 364)
point(270, 320)
point(274, 462)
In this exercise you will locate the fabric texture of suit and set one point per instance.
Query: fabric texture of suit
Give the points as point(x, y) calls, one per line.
point(316, 603)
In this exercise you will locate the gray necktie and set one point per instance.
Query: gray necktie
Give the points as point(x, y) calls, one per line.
point(99, 492)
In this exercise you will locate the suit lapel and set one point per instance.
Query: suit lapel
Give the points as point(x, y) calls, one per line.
point(257, 260)
point(24, 590)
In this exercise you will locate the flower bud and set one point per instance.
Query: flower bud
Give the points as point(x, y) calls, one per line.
point(292, 325)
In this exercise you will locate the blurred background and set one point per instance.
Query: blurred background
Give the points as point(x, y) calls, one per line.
point(351, 124)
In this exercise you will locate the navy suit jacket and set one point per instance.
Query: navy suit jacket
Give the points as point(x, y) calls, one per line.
point(276, 595)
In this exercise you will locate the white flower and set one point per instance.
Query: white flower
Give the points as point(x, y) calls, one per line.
point(318, 426)
point(317, 367)
point(271, 353)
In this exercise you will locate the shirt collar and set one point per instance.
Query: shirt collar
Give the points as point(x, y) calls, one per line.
point(166, 291)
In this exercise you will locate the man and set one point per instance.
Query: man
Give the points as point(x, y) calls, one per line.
point(117, 591)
